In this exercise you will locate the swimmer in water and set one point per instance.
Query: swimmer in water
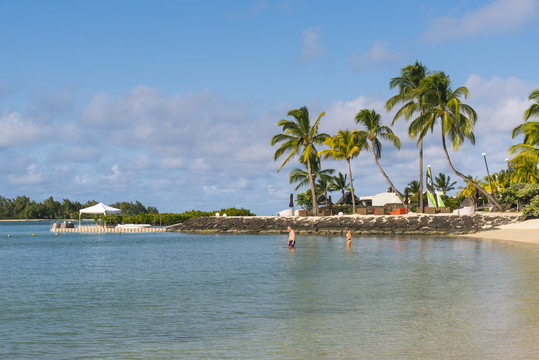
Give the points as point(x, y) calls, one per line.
point(291, 237)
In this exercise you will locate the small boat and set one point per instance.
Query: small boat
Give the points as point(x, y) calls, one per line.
point(132, 226)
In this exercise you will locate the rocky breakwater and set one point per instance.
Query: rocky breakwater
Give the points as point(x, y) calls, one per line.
point(358, 224)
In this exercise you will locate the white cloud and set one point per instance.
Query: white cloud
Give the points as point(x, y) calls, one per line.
point(31, 177)
point(377, 56)
point(17, 130)
point(311, 46)
point(341, 114)
point(116, 173)
point(498, 17)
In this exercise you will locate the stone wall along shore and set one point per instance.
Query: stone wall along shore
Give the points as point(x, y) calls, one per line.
point(359, 224)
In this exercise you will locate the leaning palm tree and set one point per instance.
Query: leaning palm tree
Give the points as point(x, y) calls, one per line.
point(456, 119)
point(345, 145)
point(410, 95)
point(372, 122)
point(339, 183)
point(443, 183)
point(299, 137)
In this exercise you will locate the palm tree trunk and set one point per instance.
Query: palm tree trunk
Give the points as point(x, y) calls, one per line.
point(313, 191)
point(420, 176)
point(397, 192)
point(351, 187)
point(479, 188)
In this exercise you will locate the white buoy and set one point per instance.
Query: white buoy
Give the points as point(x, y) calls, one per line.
point(224, 215)
point(217, 214)
point(340, 213)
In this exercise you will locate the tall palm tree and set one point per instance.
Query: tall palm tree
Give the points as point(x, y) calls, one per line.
point(456, 119)
point(345, 145)
point(443, 183)
point(372, 122)
point(299, 137)
point(534, 108)
point(410, 95)
point(339, 183)
point(301, 176)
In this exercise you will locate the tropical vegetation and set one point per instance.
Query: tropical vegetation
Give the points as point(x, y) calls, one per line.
point(411, 97)
point(430, 104)
point(443, 183)
point(299, 138)
point(374, 131)
point(346, 145)
point(22, 207)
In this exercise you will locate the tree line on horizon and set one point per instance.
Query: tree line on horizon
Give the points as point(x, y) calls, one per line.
point(22, 207)
point(427, 100)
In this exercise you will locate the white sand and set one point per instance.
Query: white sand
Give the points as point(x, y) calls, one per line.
point(525, 231)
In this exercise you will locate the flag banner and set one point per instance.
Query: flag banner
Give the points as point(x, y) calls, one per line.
point(431, 195)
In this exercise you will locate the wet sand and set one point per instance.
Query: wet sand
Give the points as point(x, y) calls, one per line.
point(525, 232)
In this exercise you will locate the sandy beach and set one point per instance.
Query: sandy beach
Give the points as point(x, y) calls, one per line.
point(525, 232)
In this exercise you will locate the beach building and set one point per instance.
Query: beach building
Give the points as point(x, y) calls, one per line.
point(380, 199)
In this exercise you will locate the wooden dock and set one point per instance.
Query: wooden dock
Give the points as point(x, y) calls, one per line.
point(100, 229)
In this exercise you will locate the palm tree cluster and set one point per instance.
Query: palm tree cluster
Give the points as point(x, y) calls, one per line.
point(428, 101)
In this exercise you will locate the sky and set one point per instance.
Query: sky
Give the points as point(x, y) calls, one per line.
point(174, 103)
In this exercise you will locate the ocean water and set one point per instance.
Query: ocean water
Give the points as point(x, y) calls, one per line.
point(186, 296)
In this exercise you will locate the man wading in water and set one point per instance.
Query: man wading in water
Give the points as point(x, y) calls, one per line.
point(291, 237)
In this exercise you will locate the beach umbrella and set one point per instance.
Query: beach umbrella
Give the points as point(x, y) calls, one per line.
point(291, 204)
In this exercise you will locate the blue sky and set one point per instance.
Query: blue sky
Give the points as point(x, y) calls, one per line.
point(173, 103)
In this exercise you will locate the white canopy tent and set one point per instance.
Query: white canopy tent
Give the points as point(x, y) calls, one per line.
point(99, 209)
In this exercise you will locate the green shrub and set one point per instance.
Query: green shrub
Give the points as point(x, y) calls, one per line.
point(532, 210)
point(528, 192)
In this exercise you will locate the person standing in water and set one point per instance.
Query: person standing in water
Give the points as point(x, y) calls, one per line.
point(348, 238)
point(291, 237)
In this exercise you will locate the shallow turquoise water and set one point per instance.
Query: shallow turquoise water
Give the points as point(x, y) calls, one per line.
point(172, 296)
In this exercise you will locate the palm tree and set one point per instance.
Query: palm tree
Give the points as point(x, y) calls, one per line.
point(527, 153)
point(456, 119)
point(322, 187)
point(410, 95)
point(345, 145)
point(299, 138)
point(443, 183)
point(371, 121)
point(470, 190)
point(339, 183)
point(534, 108)
point(413, 190)
point(301, 176)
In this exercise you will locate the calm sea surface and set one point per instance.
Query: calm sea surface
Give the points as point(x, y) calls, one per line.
point(184, 296)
